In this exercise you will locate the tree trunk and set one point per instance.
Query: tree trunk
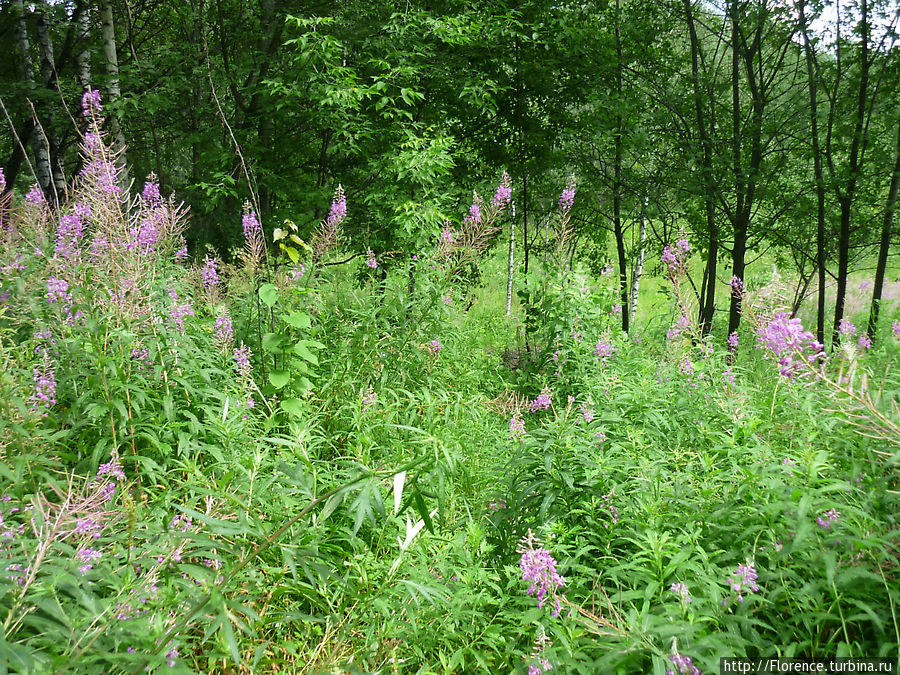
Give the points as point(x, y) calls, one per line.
point(845, 197)
point(511, 267)
point(639, 267)
point(110, 53)
point(885, 245)
point(617, 184)
point(83, 53)
point(708, 307)
point(38, 141)
point(817, 172)
point(48, 78)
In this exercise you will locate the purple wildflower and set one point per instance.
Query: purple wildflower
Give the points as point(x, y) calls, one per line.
point(789, 464)
point(434, 347)
point(895, 328)
point(604, 348)
point(516, 427)
point(35, 197)
point(90, 103)
point(242, 357)
point(684, 664)
point(68, 235)
point(44, 394)
point(250, 223)
point(57, 290)
point(178, 313)
point(209, 273)
point(786, 339)
point(864, 342)
point(498, 505)
point(151, 195)
point(567, 198)
point(368, 399)
point(88, 526)
point(297, 272)
point(542, 402)
point(447, 236)
point(847, 328)
point(503, 195)
point(743, 580)
point(587, 413)
point(112, 468)
point(737, 286)
point(675, 258)
point(687, 368)
point(224, 330)
point(682, 591)
point(733, 340)
point(371, 262)
point(824, 521)
point(88, 555)
point(474, 216)
point(181, 253)
point(2, 180)
point(539, 569)
point(680, 326)
point(338, 207)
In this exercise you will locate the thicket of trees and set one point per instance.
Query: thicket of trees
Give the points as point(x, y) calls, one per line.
point(747, 124)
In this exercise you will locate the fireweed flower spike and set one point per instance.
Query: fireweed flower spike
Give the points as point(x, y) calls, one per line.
point(743, 580)
point(539, 569)
point(682, 665)
point(504, 193)
point(371, 262)
point(785, 338)
point(516, 427)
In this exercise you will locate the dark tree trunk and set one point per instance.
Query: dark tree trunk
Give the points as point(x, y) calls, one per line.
point(617, 184)
point(885, 244)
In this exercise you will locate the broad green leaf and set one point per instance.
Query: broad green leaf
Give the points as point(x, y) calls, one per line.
point(297, 320)
point(279, 378)
point(268, 293)
point(293, 407)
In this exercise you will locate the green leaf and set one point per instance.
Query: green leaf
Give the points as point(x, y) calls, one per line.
point(293, 407)
point(297, 320)
point(279, 378)
point(301, 350)
point(271, 342)
point(268, 293)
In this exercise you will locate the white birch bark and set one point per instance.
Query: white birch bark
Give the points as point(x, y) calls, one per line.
point(512, 250)
point(48, 77)
point(108, 31)
point(639, 267)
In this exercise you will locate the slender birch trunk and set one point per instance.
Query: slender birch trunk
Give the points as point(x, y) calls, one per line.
point(38, 141)
point(48, 78)
point(512, 249)
point(639, 267)
point(108, 31)
point(83, 54)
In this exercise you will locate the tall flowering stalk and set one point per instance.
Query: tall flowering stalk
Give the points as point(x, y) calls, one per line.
point(254, 251)
point(539, 570)
point(564, 230)
point(327, 235)
point(785, 339)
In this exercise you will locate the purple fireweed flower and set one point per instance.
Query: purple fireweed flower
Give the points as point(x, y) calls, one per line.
point(434, 347)
point(542, 402)
point(297, 272)
point(743, 580)
point(789, 464)
point(787, 340)
point(44, 393)
point(371, 262)
point(88, 555)
point(90, 103)
point(242, 356)
point(181, 523)
point(181, 253)
point(675, 258)
point(224, 330)
point(824, 521)
point(498, 505)
point(447, 299)
point(733, 340)
point(177, 315)
point(684, 664)
point(846, 328)
point(503, 195)
point(252, 228)
point(474, 216)
point(68, 235)
point(567, 198)
point(368, 399)
point(604, 348)
point(895, 329)
point(516, 427)
point(864, 342)
point(338, 211)
point(682, 591)
point(2, 180)
point(99, 172)
point(172, 656)
point(681, 325)
point(151, 195)
point(687, 368)
point(35, 197)
point(539, 569)
point(111, 468)
point(587, 413)
point(737, 286)
point(88, 526)
point(209, 273)
point(447, 236)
